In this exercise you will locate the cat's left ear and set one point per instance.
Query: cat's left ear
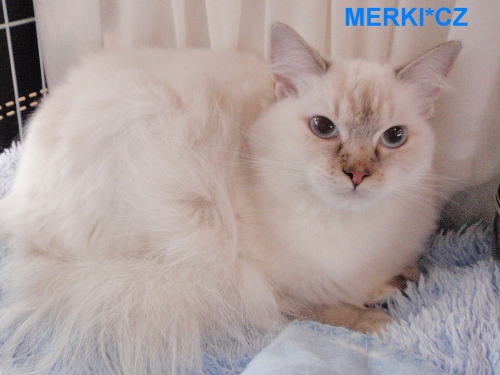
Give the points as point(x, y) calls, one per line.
point(292, 60)
point(428, 72)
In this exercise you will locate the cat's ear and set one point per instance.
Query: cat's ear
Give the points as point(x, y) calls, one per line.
point(292, 59)
point(428, 72)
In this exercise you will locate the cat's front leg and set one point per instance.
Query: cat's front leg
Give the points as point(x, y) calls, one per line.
point(411, 273)
point(367, 320)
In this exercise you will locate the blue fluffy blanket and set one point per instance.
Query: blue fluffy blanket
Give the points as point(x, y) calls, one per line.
point(447, 324)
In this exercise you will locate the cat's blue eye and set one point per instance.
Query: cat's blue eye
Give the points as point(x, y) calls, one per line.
point(323, 127)
point(394, 137)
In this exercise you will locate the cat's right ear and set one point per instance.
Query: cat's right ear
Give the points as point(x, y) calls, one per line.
point(427, 74)
point(292, 59)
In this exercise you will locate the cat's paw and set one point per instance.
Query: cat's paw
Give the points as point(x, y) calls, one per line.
point(366, 320)
point(383, 292)
point(372, 321)
point(410, 273)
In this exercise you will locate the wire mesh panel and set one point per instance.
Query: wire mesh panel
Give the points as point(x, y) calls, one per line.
point(22, 84)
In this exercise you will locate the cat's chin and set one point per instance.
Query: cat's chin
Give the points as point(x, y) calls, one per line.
point(353, 199)
point(348, 198)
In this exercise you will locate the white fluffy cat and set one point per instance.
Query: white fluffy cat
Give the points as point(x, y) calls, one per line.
point(165, 200)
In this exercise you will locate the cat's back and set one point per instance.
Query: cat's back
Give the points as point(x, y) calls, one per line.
point(140, 90)
point(120, 221)
point(133, 138)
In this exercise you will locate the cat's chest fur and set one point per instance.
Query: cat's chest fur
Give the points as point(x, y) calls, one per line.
point(324, 256)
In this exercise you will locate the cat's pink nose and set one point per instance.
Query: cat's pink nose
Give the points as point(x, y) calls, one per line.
point(356, 176)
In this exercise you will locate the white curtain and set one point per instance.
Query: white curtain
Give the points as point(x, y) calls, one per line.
point(468, 123)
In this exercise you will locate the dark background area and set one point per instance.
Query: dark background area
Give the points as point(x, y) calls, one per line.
point(25, 56)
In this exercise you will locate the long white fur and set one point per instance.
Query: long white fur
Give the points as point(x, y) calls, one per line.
point(161, 205)
point(122, 222)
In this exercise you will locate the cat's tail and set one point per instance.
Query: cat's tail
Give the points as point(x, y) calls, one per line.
point(129, 316)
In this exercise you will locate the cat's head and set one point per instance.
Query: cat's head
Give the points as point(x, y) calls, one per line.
point(348, 131)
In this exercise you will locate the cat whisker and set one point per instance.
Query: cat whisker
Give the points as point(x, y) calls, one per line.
point(419, 194)
point(444, 182)
point(254, 160)
point(415, 198)
point(250, 160)
point(446, 188)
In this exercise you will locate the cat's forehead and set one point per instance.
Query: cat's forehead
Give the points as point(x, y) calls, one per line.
point(363, 95)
